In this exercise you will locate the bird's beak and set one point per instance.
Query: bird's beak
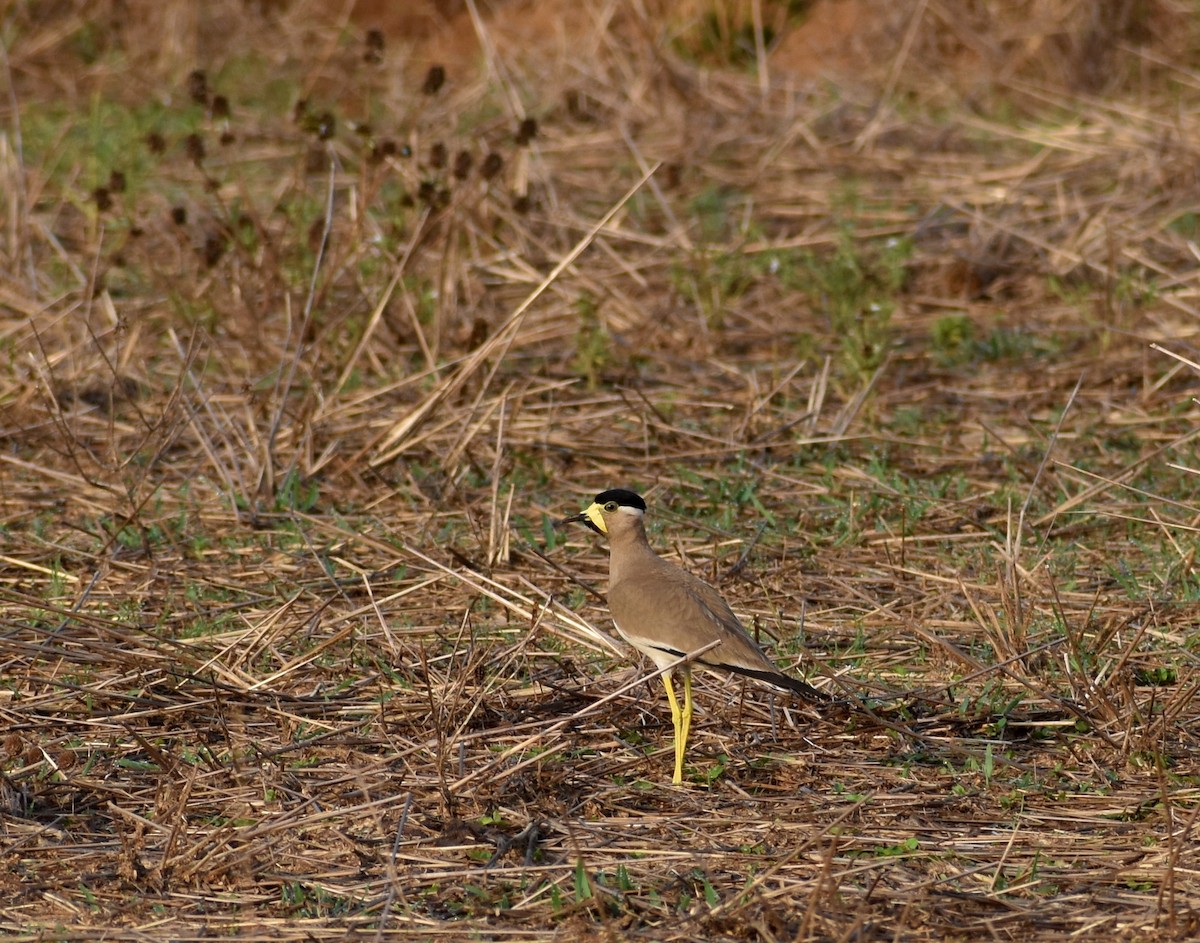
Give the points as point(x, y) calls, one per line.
point(591, 518)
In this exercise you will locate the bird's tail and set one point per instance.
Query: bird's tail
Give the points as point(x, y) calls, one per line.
point(780, 680)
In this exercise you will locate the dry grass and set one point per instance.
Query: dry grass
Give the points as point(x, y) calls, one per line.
point(287, 645)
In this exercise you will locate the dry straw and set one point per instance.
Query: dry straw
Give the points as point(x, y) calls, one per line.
point(287, 650)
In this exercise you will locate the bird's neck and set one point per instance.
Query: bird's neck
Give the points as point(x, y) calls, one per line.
point(629, 552)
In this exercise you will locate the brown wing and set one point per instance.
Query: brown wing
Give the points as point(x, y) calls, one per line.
point(672, 612)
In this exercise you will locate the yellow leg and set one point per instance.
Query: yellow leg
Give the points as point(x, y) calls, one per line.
point(681, 719)
point(687, 710)
point(677, 720)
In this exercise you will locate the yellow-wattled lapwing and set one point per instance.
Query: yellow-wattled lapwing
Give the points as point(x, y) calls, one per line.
point(667, 613)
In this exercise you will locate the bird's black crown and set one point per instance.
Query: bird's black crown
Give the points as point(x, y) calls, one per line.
point(623, 497)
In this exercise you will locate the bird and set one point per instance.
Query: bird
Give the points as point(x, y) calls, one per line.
point(666, 613)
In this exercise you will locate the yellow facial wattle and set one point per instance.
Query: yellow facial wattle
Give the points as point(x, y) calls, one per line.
point(595, 514)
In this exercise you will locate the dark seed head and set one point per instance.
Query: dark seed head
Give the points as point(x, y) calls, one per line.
point(116, 181)
point(194, 144)
point(197, 86)
point(226, 138)
point(479, 332)
point(220, 107)
point(326, 125)
point(427, 192)
point(522, 204)
point(435, 78)
point(300, 111)
point(381, 150)
point(103, 198)
point(156, 142)
point(462, 165)
point(492, 165)
point(527, 131)
point(214, 248)
point(374, 51)
point(438, 155)
point(178, 215)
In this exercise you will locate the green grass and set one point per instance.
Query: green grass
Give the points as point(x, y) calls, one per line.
point(855, 288)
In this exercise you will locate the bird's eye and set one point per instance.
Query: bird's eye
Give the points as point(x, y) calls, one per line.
point(611, 506)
